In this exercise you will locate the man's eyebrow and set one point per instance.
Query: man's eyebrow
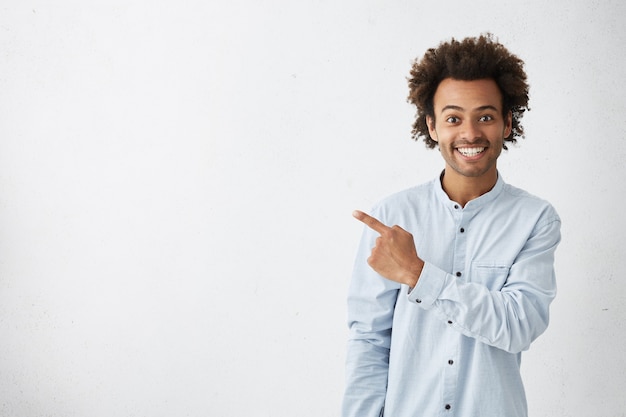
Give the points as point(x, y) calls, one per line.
point(459, 108)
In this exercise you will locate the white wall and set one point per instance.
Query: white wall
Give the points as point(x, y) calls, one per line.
point(176, 182)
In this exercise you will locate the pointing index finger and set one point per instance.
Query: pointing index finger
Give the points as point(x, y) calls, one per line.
point(370, 221)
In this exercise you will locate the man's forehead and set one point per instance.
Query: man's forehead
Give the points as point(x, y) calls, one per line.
point(467, 95)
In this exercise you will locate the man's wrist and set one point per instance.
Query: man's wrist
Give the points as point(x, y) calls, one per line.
point(414, 274)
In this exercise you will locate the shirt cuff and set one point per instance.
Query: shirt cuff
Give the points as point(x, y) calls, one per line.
point(428, 287)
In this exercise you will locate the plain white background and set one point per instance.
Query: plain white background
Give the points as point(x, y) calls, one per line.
point(177, 178)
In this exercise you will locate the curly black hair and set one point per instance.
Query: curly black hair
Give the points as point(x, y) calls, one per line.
point(466, 60)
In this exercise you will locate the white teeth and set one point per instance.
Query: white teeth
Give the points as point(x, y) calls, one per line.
point(470, 151)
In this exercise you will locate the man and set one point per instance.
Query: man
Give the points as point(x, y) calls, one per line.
point(461, 274)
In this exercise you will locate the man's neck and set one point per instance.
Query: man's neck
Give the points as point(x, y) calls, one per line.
point(462, 189)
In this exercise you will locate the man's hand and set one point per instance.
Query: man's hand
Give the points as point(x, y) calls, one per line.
point(394, 255)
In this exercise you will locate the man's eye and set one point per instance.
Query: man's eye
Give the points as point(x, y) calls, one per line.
point(452, 119)
point(486, 118)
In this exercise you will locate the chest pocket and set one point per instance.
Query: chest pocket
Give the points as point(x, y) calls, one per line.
point(492, 275)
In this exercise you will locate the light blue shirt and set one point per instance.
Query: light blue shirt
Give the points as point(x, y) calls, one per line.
point(452, 345)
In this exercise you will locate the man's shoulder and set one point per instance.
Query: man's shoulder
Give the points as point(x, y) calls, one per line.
point(519, 193)
point(407, 202)
point(530, 203)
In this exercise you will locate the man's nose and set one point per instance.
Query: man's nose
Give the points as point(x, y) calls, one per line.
point(470, 130)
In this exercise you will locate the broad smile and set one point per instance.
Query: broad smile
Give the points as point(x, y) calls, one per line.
point(471, 152)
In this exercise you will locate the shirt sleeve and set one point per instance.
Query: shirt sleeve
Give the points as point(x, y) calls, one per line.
point(371, 303)
point(510, 317)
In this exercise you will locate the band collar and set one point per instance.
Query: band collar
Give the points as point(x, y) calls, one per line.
point(476, 203)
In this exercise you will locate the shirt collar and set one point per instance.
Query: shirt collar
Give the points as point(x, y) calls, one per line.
point(476, 203)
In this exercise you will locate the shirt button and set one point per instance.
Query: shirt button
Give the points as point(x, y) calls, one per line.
point(417, 300)
point(450, 362)
point(448, 406)
point(456, 206)
point(462, 230)
point(449, 321)
point(458, 274)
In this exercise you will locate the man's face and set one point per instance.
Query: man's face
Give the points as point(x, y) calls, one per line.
point(469, 126)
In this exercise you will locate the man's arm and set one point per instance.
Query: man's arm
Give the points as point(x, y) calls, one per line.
point(509, 317)
point(371, 303)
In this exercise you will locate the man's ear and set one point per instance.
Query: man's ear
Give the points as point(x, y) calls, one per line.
point(508, 124)
point(430, 122)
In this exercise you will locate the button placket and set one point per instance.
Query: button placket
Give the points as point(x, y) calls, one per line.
point(449, 359)
point(450, 370)
point(460, 243)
